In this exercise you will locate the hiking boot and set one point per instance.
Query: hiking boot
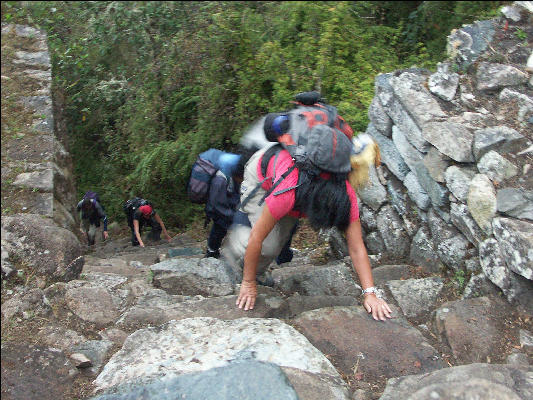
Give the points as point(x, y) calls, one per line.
point(213, 254)
point(285, 256)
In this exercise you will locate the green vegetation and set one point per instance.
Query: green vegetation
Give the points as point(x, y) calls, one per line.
point(520, 34)
point(460, 278)
point(147, 85)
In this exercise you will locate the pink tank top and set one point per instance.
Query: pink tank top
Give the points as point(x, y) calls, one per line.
point(283, 204)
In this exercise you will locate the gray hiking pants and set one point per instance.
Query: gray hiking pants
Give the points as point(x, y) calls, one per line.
point(235, 242)
point(90, 230)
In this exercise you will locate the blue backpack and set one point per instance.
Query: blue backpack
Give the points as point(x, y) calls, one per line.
point(205, 168)
point(202, 172)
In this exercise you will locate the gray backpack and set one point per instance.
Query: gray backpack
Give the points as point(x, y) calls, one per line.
point(316, 137)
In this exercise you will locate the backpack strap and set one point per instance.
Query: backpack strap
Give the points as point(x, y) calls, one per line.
point(253, 192)
point(265, 160)
point(275, 185)
point(272, 151)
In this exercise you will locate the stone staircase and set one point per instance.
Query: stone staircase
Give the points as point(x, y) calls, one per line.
point(141, 323)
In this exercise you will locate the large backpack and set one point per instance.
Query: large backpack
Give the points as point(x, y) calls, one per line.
point(93, 196)
point(318, 139)
point(198, 185)
point(206, 166)
point(131, 205)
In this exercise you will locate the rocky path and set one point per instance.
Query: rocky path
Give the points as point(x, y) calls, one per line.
point(143, 323)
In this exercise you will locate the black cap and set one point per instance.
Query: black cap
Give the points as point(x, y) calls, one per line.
point(276, 124)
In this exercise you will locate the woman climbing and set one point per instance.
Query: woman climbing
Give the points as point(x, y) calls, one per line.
point(266, 217)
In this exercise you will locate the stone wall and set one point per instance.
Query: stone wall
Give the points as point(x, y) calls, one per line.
point(38, 226)
point(454, 190)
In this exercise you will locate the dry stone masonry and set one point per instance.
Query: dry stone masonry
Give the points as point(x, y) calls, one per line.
point(456, 152)
point(40, 233)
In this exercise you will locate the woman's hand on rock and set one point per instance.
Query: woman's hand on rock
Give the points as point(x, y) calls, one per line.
point(247, 295)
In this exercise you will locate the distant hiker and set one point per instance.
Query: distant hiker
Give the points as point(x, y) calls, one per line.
point(140, 212)
point(306, 176)
point(91, 212)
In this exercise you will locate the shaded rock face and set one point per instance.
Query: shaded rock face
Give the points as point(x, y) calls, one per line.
point(328, 280)
point(19, 377)
point(352, 338)
point(49, 250)
point(38, 233)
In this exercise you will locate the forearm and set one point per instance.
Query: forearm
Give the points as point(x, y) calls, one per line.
point(259, 232)
point(362, 267)
point(373, 304)
point(136, 230)
point(160, 222)
point(251, 259)
point(359, 255)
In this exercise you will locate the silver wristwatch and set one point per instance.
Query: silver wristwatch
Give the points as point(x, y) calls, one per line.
point(371, 289)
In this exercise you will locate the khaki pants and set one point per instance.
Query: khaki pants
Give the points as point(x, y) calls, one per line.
point(234, 245)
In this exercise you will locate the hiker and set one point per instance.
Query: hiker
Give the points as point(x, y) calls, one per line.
point(141, 212)
point(266, 218)
point(223, 196)
point(91, 212)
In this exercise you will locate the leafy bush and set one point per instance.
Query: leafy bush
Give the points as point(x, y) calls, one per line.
point(149, 85)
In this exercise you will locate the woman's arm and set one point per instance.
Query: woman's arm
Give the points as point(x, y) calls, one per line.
point(136, 230)
point(160, 222)
point(356, 247)
point(260, 231)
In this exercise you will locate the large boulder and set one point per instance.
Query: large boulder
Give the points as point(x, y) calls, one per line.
point(245, 379)
point(334, 279)
point(474, 381)
point(192, 276)
point(47, 249)
point(200, 344)
point(268, 305)
point(474, 328)
point(375, 349)
point(516, 241)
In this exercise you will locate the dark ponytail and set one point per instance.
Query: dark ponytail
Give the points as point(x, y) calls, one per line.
point(325, 202)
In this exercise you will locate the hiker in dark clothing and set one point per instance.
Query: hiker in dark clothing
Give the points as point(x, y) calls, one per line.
point(222, 200)
point(91, 212)
point(140, 212)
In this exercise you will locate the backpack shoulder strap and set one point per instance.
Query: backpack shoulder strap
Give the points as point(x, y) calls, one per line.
point(275, 185)
point(265, 160)
point(272, 151)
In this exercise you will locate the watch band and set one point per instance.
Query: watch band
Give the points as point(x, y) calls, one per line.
point(371, 289)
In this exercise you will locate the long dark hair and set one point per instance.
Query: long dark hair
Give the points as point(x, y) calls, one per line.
point(324, 201)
